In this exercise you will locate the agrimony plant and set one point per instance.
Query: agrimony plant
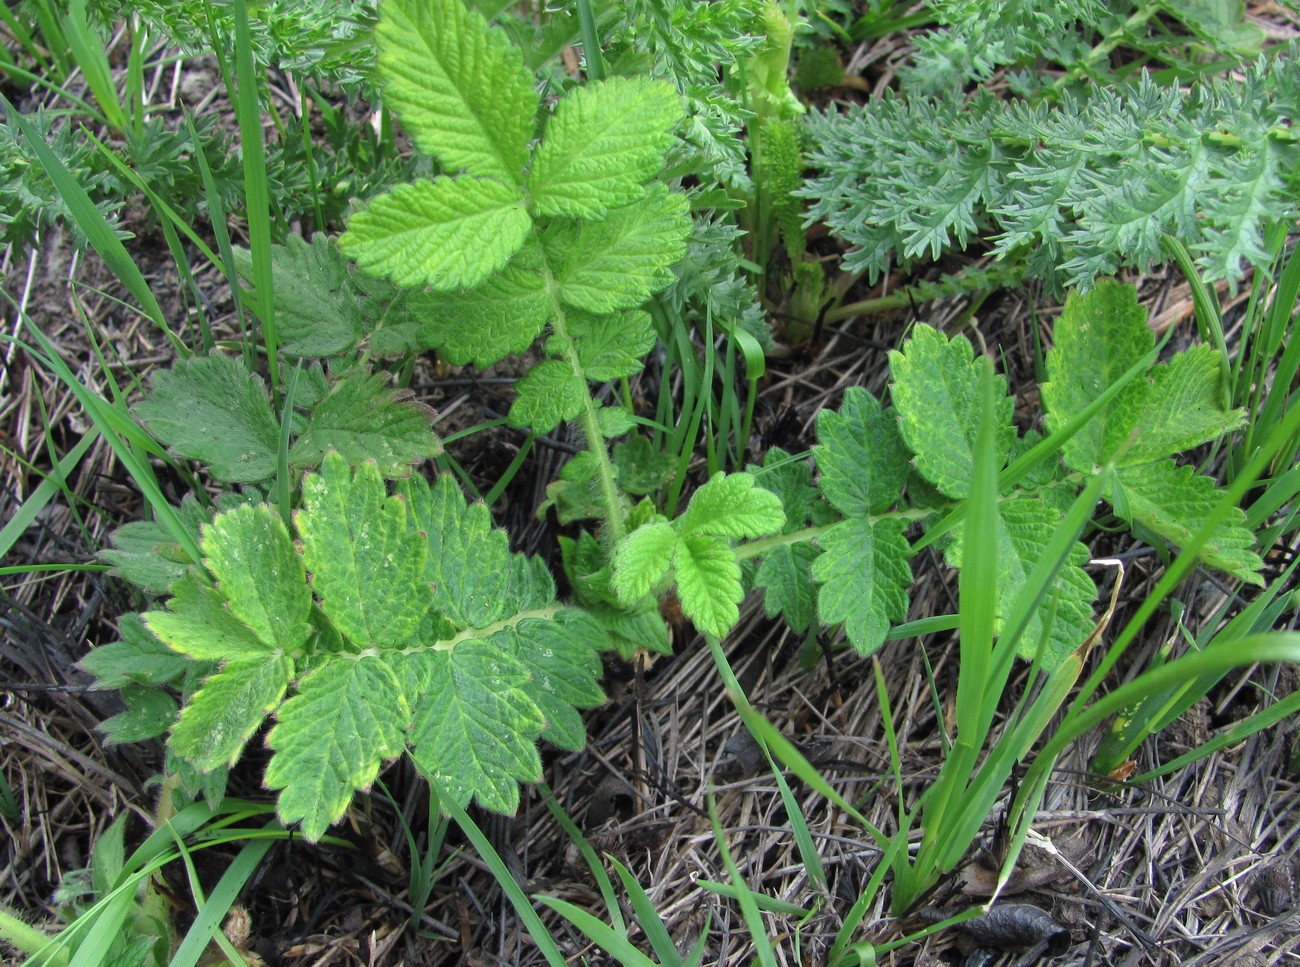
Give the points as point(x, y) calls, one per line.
point(393, 623)
point(842, 557)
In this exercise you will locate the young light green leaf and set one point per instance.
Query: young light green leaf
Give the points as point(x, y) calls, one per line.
point(1098, 338)
point(468, 562)
point(620, 261)
point(562, 655)
point(458, 86)
point(611, 346)
point(936, 394)
point(642, 560)
point(708, 583)
point(788, 587)
point(476, 727)
point(1184, 408)
point(860, 454)
point(448, 233)
point(1175, 502)
point(332, 737)
point(548, 393)
point(260, 575)
point(228, 709)
point(483, 325)
point(864, 575)
point(213, 410)
point(614, 422)
point(362, 419)
point(317, 311)
point(729, 505)
point(604, 141)
point(367, 564)
point(198, 623)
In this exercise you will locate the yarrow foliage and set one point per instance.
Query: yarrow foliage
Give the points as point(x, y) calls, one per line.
point(1079, 189)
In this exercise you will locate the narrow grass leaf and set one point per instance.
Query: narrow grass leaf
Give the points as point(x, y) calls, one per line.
point(517, 897)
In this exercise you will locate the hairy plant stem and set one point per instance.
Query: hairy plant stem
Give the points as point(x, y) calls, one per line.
point(23, 936)
point(590, 422)
point(758, 548)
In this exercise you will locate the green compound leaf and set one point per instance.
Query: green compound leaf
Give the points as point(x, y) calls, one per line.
point(1175, 502)
point(642, 560)
point(317, 310)
point(562, 655)
point(260, 575)
point(447, 233)
point(611, 346)
point(603, 142)
point(332, 737)
point(1184, 408)
point(860, 454)
point(145, 553)
point(213, 410)
point(620, 261)
point(708, 583)
point(367, 564)
point(468, 564)
point(864, 576)
point(1098, 338)
point(363, 419)
point(785, 575)
point(483, 325)
point(139, 658)
point(549, 393)
point(199, 624)
point(228, 709)
point(149, 713)
point(936, 393)
point(729, 505)
point(1026, 525)
point(458, 86)
point(476, 726)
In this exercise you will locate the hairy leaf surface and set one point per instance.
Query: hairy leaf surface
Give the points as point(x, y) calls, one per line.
point(362, 419)
point(483, 325)
point(785, 575)
point(1098, 337)
point(198, 623)
point(603, 142)
point(548, 393)
point(562, 655)
point(468, 564)
point(448, 233)
point(367, 565)
point(223, 715)
point(620, 261)
point(860, 454)
point(936, 394)
point(611, 346)
point(708, 583)
point(260, 575)
point(476, 727)
point(458, 86)
point(642, 560)
point(332, 737)
point(317, 311)
point(864, 576)
point(1175, 502)
point(729, 505)
point(212, 409)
